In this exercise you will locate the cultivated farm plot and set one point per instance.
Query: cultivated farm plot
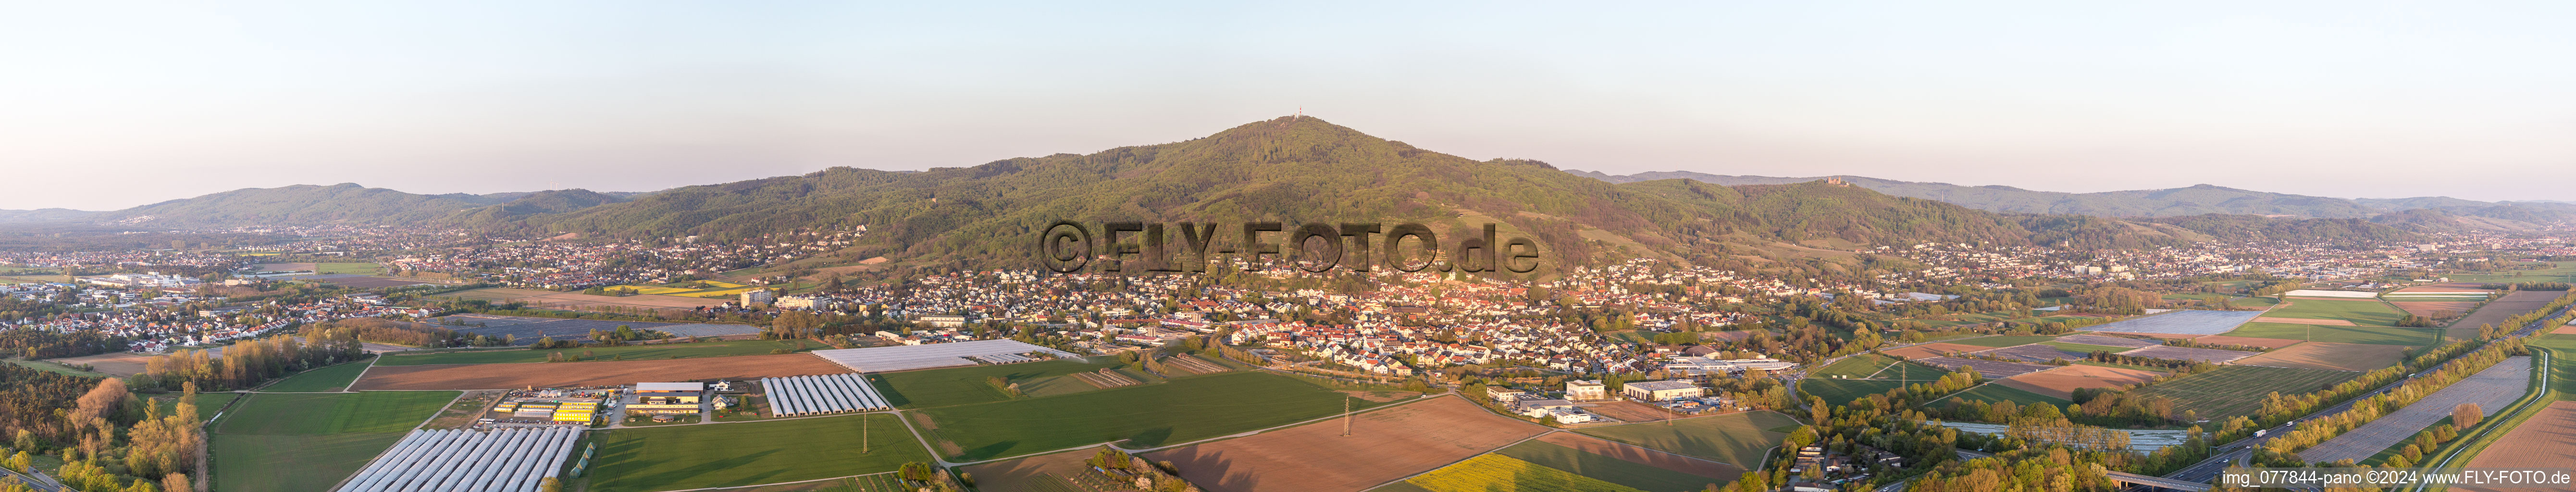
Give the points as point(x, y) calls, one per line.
point(2371, 312)
point(965, 385)
point(1631, 411)
point(2063, 382)
point(2515, 304)
point(1839, 391)
point(2269, 343)
point(2235, 390)
point(371, 282)
point(2434, 309)
point(1998, 392)
point(2108, 341)
point(746, 453)
point(2033, 353)
point(2491, 388)
point(627, 352)
point(592, 373)
point(1987, 368)
point(1858, 365)
point(327, 379)
point(2002, 340)
point(2381, 335)
point(1735, 438)
point(2185, 322)
point(1181, 410)
point(1041, 473)
point(1932, 350)
point(1499, 473)
point(1384, 445)
point(2547, 439)
point(1105, 379)
point(2330, 355)
point(1193, 365)
point(119, 364)
point(1650, 475)
point(2214, 356)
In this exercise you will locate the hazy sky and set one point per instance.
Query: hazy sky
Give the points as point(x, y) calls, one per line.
point(107, 106)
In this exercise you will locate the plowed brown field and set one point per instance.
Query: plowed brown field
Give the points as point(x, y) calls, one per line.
point(1659, 459)
point(565, 374)
point(1933, 350)
point(1629, 411)
point(1384, 446)
point(2062, 382)
point(2547, 440)
point(2327, 355)
point(2436, 309)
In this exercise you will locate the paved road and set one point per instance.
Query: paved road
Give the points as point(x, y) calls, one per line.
point(2207, 470)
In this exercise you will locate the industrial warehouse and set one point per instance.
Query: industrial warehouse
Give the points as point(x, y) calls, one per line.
point(504, 460)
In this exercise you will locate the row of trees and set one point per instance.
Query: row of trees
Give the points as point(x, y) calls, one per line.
point(246, 363)
point(2319, 430)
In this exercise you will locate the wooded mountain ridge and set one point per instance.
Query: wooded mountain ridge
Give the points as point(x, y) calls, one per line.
point(1293, 169)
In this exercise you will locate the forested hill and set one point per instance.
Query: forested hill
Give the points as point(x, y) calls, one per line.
point(2171, 202)
point(1292, 169)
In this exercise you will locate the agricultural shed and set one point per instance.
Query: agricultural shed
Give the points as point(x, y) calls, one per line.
point(505, 460)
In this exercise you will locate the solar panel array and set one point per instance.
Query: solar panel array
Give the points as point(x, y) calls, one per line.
point(445, 460)
point(907, 357)
point(806, 395)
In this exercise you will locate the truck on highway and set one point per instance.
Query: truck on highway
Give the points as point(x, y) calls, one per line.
point(2261, 432)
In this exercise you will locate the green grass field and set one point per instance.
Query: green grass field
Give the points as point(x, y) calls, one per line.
point(1859, 365)
point(1499, 473)
point(1613, 470)
point(2003, 341)
point(2238, 390)
point(1737, 439)
point(1911, 372)
point(334, 413)
point(1185, 409)
point(1840, 391)
point(356, 268)
point(719, 455)
point(630, 352)
point(2376, 335)
point(965, 385)
point(333, 378)
point(292, 463)
point(2565, 272)
point(2359, 312)
point(1992, 393)
point(2245, 302)
point(308, 442)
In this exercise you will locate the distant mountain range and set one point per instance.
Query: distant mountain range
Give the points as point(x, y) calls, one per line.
point(1304, 169)
point(315, 204)
point(2171, 202)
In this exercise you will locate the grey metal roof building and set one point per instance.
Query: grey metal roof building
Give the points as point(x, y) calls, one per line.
point(458, 460)
point(806, 395)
